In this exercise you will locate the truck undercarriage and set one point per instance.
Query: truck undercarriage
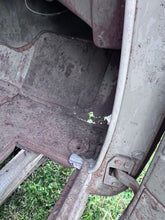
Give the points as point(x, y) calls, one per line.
point(64, 75)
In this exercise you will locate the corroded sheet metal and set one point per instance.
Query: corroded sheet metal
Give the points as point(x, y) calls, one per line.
point(148, 208)
point(74, 203)
point(46, 93)
point(149, 202)
point(43, 129)
point(105, 18)
point(13, 65)
point(107, 23)
point(156, 182)
point(61, 71)
point(139, 109)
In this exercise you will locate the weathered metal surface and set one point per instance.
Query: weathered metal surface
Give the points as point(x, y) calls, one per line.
point(119, 162)
point(72, 206)
point(107, 22)
point(47, 92)
point(61, 71)
point(149, 202)
point(148, 208)
point(104, 16)
point(45, 106)
point(124, 61)
point(43, 129)
point(127, 180)
point(19, 26)
point(14, 66)
point(122, 163)
point(139, 108)
point(7, 92)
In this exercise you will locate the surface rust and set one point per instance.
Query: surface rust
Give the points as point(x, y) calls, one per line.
point(127, 180)
point(76, 195)
point(47, 90)
point(105, 18)
point(148, 208)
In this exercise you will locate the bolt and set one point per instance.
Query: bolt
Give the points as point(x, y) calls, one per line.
point(127, 164)
point(118, 162)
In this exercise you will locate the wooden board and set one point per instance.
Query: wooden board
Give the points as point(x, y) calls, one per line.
point(16, 171)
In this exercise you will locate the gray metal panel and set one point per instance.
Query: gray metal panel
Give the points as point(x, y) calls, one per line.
point(47, 91)
point(139, 106)
point(61, 71)
point(149, 202)
point(143, 103)
point(142, 106)
point(148, 208)
point(19, 26)
point(156, 182)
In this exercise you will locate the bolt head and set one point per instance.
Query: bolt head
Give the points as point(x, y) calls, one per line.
point(118, 162)
point(127, 165)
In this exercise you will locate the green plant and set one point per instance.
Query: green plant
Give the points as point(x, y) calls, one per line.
point(107, 208)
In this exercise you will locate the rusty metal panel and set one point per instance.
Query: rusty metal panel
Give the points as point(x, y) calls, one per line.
point(139, 106)
point(156, 182)
point(73, 205)
point(14, 65)
point(46, 93)
point(143, 103)
point(107, 22)
point(105, 18)
point(46, 97)
point(148, 208)
point(149, 202)
point(61, 71)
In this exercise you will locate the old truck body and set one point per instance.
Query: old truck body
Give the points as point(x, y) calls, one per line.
point(62, 73)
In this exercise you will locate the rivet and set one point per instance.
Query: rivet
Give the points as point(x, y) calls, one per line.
point(127, 165)
point(118, 162)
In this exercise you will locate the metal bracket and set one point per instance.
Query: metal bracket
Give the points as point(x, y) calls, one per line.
point(127, 180)
point(118, 173)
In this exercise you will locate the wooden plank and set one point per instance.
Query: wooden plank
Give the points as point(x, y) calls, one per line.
point(16, 171)
point(5, 151)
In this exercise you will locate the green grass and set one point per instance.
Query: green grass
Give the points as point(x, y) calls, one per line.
point(35, 198)
point(108, 208)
